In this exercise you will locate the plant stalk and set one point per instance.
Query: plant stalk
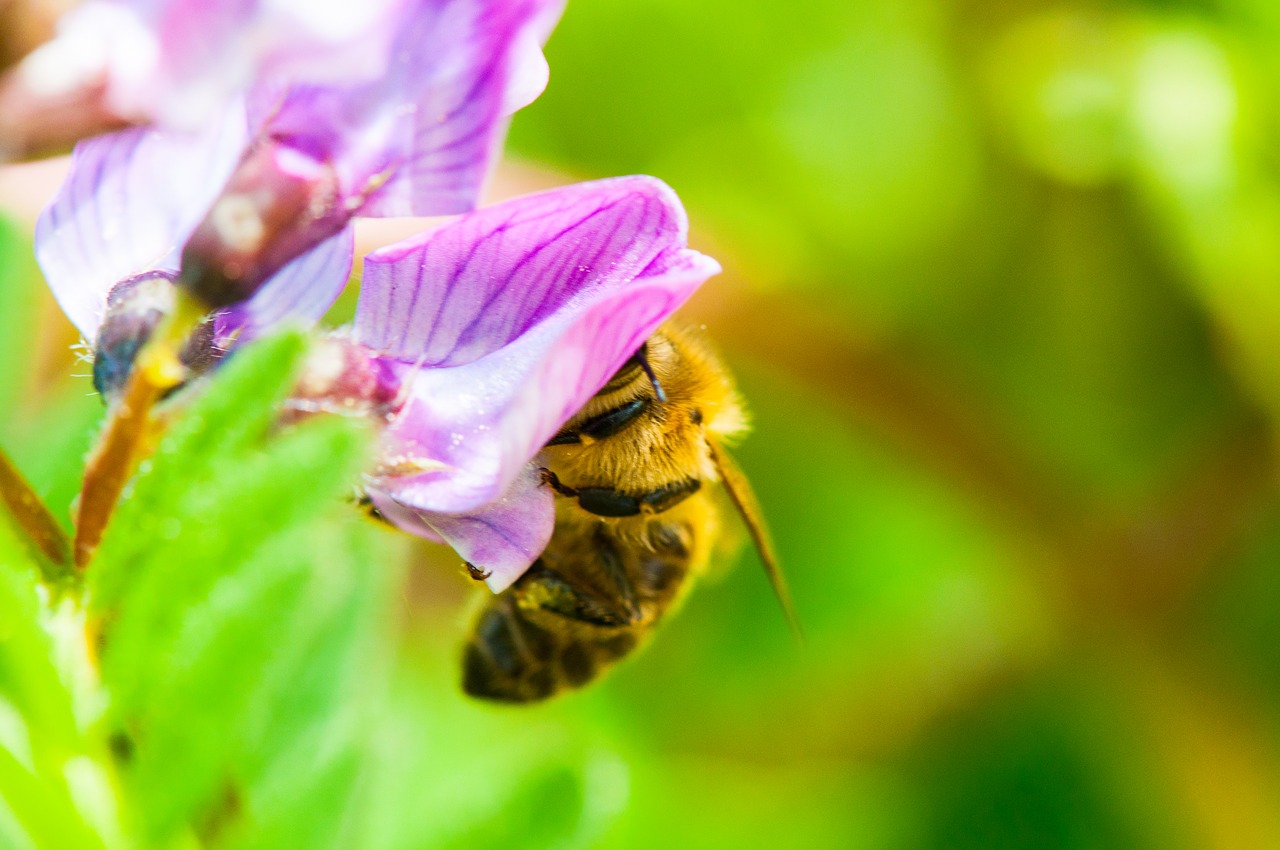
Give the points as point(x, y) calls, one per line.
point(129, 428)
point(33, 517)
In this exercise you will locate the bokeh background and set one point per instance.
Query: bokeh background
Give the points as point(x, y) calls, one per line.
point(1002, 290)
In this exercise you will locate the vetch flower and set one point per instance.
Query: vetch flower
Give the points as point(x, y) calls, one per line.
point(174, 63)
point(472, 344)
point(416, 140)
point(479, 340)
point(109, 246)
point(287, 168)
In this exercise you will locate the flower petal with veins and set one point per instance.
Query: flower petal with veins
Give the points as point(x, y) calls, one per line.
point(419, 139)
point(509, 320)
point(175, 62)
point(503, 537)
point(130, 201)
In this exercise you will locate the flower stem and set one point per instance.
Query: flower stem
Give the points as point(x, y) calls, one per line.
point(114, 459)
point(34, 518)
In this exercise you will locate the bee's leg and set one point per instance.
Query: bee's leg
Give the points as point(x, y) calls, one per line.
point(611, 566)
point(606, 501)
point(665, 498)
point(477, 573)
point(550, 479)
point(544, 588)
point(643, 357)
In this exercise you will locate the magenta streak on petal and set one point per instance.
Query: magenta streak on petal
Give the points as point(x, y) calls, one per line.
point(433, 122)
point(464, 290)
point(586, 265)
point(459, 121)
point(646, 220)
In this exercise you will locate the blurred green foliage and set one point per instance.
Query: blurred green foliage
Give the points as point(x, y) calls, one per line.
point(1002, 290)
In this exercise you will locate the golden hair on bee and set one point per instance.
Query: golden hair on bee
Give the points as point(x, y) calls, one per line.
point(635, 519)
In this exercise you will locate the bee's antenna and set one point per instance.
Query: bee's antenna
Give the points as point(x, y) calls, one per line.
point(744, 499)
point(642, 357)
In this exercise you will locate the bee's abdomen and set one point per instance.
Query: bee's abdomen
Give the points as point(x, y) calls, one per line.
point(511, 659)
point(508, 658)
point(586, 604)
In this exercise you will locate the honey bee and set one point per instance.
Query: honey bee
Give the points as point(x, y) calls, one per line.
point(635, 520)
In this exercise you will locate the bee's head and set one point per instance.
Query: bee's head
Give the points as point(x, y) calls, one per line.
point(626, 374)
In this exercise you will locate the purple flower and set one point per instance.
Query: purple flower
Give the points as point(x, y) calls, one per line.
point(109, 244)
point(174, 62)
point(403, 120)
point(416, 140)
point(269, 188)
point(473, 344)
point(494, 331)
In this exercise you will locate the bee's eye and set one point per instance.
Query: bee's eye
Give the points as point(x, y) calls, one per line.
point(627, 371)
point(625, 375)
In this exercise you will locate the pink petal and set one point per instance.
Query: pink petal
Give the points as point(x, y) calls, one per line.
point(509, 320)
point(420, 139)
point(503, 537)
point(302, 291)
point(465, 290)
point(127, 205)
point(177, 61)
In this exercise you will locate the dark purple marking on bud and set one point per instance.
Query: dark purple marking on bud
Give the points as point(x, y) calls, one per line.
point(341, 375)
point(278, 204)
point(135, 306)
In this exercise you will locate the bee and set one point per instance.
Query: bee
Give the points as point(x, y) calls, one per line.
point(636, 519)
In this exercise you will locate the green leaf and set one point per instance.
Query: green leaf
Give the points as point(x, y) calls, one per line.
point(28, 680)
point(231, 417)
point(241, 612)
point(308, 728)
point(38, 733)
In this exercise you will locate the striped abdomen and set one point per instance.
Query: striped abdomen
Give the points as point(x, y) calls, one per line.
point(587, 602)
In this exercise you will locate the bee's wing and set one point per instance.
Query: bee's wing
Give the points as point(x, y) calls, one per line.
point(744, 499)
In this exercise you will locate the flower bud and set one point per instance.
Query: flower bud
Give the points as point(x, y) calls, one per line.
point(343, 376)
point(278, 204)
point(135, 307)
